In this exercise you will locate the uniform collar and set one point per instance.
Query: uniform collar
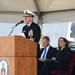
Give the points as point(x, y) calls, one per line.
point(29, 24)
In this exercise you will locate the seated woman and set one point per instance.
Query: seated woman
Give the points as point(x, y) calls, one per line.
point(60, 61)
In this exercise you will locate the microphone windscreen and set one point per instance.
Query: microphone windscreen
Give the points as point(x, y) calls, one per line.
point(22, 21)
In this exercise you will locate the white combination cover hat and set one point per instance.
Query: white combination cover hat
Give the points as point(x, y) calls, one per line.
point(28, 13)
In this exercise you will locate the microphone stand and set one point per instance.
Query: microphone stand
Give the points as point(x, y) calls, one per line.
point(12, 30)
point(15, 26)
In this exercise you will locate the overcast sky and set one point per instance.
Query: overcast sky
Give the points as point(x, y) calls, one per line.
point(5, 29)
point(53, 30)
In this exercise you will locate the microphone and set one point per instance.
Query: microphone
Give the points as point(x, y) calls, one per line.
point(19, 23)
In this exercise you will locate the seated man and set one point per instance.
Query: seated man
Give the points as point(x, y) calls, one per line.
point(46, 52)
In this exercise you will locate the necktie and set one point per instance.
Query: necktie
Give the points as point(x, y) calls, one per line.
point(44, 54)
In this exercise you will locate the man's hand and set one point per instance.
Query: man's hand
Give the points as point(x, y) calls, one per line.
point(53, 58)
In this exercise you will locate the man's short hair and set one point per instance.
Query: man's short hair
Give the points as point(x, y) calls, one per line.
point(46, 37)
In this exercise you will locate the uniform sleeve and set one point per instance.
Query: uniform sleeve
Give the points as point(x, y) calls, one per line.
point(37, 33)
point(22, 29)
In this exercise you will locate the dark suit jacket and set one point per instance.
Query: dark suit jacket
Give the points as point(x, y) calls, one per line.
point(63, 58)
point(36, 31)
point(64, 55)
point(51, 52)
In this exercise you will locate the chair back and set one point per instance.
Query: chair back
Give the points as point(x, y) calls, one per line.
point(71, 63)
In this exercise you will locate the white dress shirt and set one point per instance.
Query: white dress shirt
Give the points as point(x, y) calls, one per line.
point(47, 48)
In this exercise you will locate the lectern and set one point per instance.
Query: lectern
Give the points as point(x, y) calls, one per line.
point(21, 54)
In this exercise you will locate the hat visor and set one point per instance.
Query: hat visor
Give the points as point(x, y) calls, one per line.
point(27, 15)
